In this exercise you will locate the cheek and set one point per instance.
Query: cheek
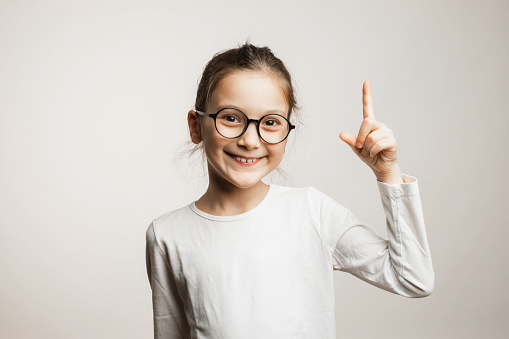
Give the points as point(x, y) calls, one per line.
point(210, 147)
point(212, 144)
point(278, 152)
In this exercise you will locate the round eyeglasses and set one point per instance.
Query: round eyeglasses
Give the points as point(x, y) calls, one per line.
point(231, 123)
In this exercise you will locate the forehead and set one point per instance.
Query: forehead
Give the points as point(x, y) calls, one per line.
point(255, 93)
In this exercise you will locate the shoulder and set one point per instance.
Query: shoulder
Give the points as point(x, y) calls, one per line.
point(289, 192)
point(299, 191)
point(308, 194)
point(311, 201)
point(167, 221)
point(169, 217)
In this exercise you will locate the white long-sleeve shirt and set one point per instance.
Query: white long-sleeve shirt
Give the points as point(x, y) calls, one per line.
point(268, 273)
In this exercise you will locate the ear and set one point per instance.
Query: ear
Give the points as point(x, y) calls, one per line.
point(194, 127)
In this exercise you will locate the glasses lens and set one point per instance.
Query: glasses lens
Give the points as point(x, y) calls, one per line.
point(230, 123)
point(274, 128)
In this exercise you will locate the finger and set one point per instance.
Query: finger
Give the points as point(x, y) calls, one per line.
point(368, 125)
point(373, 138)
point(348, 137)
point(386, 144)
point(367, 101)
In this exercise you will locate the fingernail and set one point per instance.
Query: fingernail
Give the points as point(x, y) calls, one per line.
point(359, 145)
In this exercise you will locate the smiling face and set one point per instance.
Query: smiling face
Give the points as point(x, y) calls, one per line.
point(243, 161)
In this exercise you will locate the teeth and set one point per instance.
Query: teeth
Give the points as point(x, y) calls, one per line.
point(244, 160)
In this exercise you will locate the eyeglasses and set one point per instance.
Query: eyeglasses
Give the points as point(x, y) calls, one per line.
point(231, 123)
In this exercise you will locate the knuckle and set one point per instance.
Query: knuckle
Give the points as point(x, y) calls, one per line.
point(373, 151)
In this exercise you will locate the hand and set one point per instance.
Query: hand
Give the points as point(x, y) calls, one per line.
point(375, 144)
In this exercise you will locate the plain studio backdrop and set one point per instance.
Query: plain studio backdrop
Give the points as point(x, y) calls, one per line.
point(93, 103)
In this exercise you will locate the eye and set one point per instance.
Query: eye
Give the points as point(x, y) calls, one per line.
point(271, 122)
point(230, 118)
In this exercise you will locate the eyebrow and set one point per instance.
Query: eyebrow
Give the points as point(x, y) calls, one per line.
point(270, 111)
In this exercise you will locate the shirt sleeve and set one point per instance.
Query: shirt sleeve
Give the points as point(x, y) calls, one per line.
point(402, 264)
point(168, 309)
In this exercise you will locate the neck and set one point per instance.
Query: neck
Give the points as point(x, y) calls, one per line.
point(222, 198)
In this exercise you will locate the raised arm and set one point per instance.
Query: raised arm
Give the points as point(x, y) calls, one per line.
point(403, 264)
point(400, 265)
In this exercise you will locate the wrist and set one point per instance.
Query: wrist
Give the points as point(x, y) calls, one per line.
point(391, 177)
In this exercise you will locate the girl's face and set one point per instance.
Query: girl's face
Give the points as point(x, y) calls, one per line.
point(255, 94)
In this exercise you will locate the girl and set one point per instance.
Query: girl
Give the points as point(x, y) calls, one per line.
point(251, 260)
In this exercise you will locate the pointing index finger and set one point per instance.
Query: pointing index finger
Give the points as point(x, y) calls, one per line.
point(367, 101)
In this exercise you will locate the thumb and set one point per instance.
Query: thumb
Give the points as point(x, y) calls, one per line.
point(349, 138)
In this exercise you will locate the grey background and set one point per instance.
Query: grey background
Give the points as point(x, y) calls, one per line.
point(93, 100)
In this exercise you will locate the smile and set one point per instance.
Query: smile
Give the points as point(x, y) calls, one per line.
point(245, 161)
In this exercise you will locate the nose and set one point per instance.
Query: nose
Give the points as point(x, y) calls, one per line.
point(250, 139)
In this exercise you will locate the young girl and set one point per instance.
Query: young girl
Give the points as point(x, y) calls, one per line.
point(251, 260)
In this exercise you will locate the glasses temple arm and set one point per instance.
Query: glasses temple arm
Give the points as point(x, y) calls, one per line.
point(203, 113)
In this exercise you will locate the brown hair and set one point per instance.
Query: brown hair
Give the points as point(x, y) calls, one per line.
point(245, 57)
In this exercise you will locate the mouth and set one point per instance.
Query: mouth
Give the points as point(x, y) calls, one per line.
point(245, 161)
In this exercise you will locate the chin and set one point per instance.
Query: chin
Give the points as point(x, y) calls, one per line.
point(244, 183)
